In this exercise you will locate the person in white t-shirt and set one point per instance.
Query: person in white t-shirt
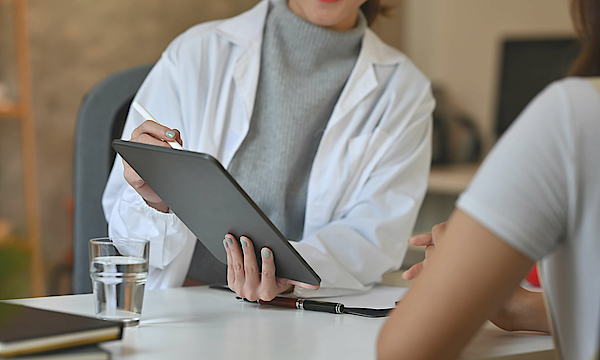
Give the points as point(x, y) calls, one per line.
point(535, 198)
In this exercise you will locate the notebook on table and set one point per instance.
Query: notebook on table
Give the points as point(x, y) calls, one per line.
point(27, 330)
point(85, 352)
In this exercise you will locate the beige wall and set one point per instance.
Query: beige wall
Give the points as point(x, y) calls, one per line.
point(457, 44)
point(75, 44)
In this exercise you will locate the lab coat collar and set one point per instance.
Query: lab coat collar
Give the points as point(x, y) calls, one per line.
point(242, 29)
point(363, 79)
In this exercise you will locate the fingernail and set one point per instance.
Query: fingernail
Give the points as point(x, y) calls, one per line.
point(266, 253)
point(225, 244)
point(170, 134)
point(244, 244)
point(229, 241)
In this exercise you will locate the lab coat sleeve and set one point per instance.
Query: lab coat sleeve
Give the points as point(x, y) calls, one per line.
point(368, 235)
point(125, 210)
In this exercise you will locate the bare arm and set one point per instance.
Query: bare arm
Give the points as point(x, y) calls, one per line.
point(524, 310)
point(468, 278)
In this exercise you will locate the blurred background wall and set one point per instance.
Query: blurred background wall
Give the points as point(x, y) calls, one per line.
point(457, 43)
point(76, 43)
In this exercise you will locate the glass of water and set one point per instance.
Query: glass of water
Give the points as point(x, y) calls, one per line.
point(119, 268)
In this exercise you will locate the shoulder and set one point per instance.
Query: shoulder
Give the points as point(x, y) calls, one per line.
point(568, 92)
point(244, 29)
point(384, 55)
point(568, 103)
point(579, 94)
point(195, 38)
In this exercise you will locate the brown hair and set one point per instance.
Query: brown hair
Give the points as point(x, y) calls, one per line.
point(586, 18)
point(372, 8)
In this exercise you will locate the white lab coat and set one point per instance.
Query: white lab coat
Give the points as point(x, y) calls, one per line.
point(368, 177)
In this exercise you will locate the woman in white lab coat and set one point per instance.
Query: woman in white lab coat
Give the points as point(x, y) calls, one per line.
point(365, 182)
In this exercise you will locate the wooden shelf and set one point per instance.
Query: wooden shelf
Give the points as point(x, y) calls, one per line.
point(450, 179)
point(21, 111)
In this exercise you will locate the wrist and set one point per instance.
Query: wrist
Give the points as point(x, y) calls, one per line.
point(160, 206)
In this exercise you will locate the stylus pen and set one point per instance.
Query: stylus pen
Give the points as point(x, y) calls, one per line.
point(302, 304)
point(146, 115)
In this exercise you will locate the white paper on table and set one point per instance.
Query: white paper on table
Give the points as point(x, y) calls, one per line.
point(380, 297)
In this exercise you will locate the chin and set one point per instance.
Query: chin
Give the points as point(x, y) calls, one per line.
point(328, 17)
point(326, 13)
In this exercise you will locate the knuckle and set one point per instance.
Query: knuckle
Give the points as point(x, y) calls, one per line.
point(251, 270)
point(237, 267)
point(268, 274)
point(146, 124)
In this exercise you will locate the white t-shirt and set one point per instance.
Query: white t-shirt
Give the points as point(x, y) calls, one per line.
point(539, 190)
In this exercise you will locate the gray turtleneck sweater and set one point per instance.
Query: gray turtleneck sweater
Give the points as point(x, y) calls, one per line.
point(303, 70)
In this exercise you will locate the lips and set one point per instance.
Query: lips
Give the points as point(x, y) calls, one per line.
point(328, 1)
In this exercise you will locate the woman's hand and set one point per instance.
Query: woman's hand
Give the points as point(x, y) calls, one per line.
point(152, 133)
point(429, 241)
point(244, 277)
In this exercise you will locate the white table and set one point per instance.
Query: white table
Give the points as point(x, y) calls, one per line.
point(203, 323)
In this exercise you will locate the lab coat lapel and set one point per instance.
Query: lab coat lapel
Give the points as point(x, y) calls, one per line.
point(246, 31)
point(362, 82)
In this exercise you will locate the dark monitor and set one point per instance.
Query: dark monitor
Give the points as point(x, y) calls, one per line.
point(527, 67)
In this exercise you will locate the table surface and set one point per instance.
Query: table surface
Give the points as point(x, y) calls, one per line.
point(199, 322)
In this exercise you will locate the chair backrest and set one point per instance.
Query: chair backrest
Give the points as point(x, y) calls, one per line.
point(101, 119)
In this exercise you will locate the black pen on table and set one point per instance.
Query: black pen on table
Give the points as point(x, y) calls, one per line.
point(302, 304)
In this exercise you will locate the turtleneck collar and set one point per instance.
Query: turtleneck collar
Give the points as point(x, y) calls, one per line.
point(307, 45)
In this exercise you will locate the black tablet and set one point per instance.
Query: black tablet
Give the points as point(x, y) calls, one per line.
point(211, 204)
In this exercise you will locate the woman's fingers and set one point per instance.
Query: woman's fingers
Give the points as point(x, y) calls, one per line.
point(413, 271)
point(303, 285)
point(230, 272)
point(244, 277)
point(251, 272)
point(152, 129)
point(151, 133)
point(268, 283)
point(236, 263)
point(421, 240)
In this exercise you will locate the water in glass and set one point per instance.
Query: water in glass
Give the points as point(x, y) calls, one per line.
point(118, 283)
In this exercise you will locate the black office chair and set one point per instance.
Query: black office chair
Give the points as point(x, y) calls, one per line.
point(101, 119)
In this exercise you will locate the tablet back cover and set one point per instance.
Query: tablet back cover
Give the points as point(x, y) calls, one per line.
point(211, 204)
